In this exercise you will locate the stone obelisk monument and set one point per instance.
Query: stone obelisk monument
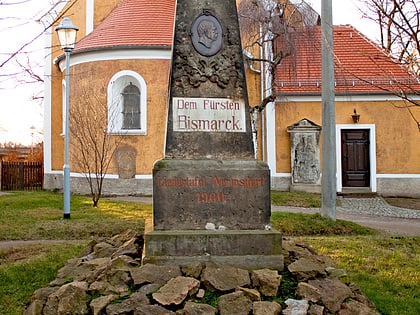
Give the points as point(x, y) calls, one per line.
point(211, 198)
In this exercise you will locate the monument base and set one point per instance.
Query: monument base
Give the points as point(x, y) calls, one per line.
point(189, 194)
point(247, 249)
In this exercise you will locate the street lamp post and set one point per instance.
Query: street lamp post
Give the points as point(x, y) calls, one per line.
point(67, 32)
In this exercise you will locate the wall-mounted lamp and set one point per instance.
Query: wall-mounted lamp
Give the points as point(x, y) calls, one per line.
point(355, 116)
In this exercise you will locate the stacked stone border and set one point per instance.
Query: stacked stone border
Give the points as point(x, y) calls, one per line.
point(108, 278)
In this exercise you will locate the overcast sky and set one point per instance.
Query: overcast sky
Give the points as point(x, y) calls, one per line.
point(19, 112)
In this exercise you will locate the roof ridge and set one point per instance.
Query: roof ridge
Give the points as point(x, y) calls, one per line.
point(133, 23)
point(360, 65)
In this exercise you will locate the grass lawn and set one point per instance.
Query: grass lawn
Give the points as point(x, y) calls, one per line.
point(385, 267)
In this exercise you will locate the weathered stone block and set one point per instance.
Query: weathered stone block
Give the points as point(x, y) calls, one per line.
point(231, 194)
point(248, 249)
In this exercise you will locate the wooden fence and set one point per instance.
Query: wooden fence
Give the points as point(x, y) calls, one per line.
point(21, 175)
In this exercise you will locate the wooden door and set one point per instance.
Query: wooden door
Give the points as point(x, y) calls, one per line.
point(355, 158)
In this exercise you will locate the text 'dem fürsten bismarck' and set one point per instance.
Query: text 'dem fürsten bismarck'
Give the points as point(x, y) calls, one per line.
point(208, 115)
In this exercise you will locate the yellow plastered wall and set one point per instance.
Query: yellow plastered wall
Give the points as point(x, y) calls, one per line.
point(103, 9)
point(397, 134)
point(150, 147)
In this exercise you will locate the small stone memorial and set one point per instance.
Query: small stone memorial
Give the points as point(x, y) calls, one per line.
point(305, 156)
point(211, 197)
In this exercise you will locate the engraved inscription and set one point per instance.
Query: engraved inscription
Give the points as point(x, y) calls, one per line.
point(208, 115)
point(210, 189)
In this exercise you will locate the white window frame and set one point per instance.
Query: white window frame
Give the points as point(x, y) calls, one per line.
point(115, 102)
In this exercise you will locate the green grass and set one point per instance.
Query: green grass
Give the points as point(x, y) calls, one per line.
point(296, 224)
point(385, 267)
point(38, 215)
point(19, 279)
point(295, 199)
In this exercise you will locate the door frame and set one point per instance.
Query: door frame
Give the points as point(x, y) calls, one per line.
point(372, 153)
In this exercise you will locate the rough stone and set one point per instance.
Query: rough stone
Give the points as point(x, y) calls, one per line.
point(43, 293)
point(359, 296)
point(192, 308)
point(103, 249)
point(297, 250)
point(176, 290)
point(193, 269)
point(252, 294)
point(200, 294)
point(78, 270)
point(122, 262)
point(99, 304)
point(306, 268)
point(150, 273)
point(224, 278)
point(296, 307)
point(333, 292)
point(266, 308)
point(266, 280)
point(71, 298)
point(76, 298)
point(149, 288)
point(316, 309)
point(128, 306)
point(356, 308)
point(340, 274)
point(152, 310)
point(35, 308)
point(129, 248)
point(308, 292)
point(113, 281)
point(120, 239)
point(235, 303)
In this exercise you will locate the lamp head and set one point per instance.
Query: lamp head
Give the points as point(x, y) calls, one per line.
point(67, 32)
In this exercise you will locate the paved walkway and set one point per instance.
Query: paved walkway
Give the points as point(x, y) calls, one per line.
point(375, 206)
point(371, 212)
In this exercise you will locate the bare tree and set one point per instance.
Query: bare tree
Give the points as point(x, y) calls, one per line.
point(266, 26)
point(399, 24)
point(92, 147)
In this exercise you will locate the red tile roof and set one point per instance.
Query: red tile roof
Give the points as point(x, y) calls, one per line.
point(134, 23)
point(360, 65)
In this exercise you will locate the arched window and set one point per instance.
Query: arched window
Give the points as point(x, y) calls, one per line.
point(127, 103)
point(131, 107)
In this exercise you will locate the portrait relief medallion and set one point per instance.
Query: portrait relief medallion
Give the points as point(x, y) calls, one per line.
point(207, 35)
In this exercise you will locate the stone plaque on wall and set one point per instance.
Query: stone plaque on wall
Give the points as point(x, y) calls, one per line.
point(305, 153)
point(126, 160)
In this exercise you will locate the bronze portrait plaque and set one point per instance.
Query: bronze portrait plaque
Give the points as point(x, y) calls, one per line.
point(207, 35)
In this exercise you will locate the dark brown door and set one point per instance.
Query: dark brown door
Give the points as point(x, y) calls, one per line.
point(355, 158)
